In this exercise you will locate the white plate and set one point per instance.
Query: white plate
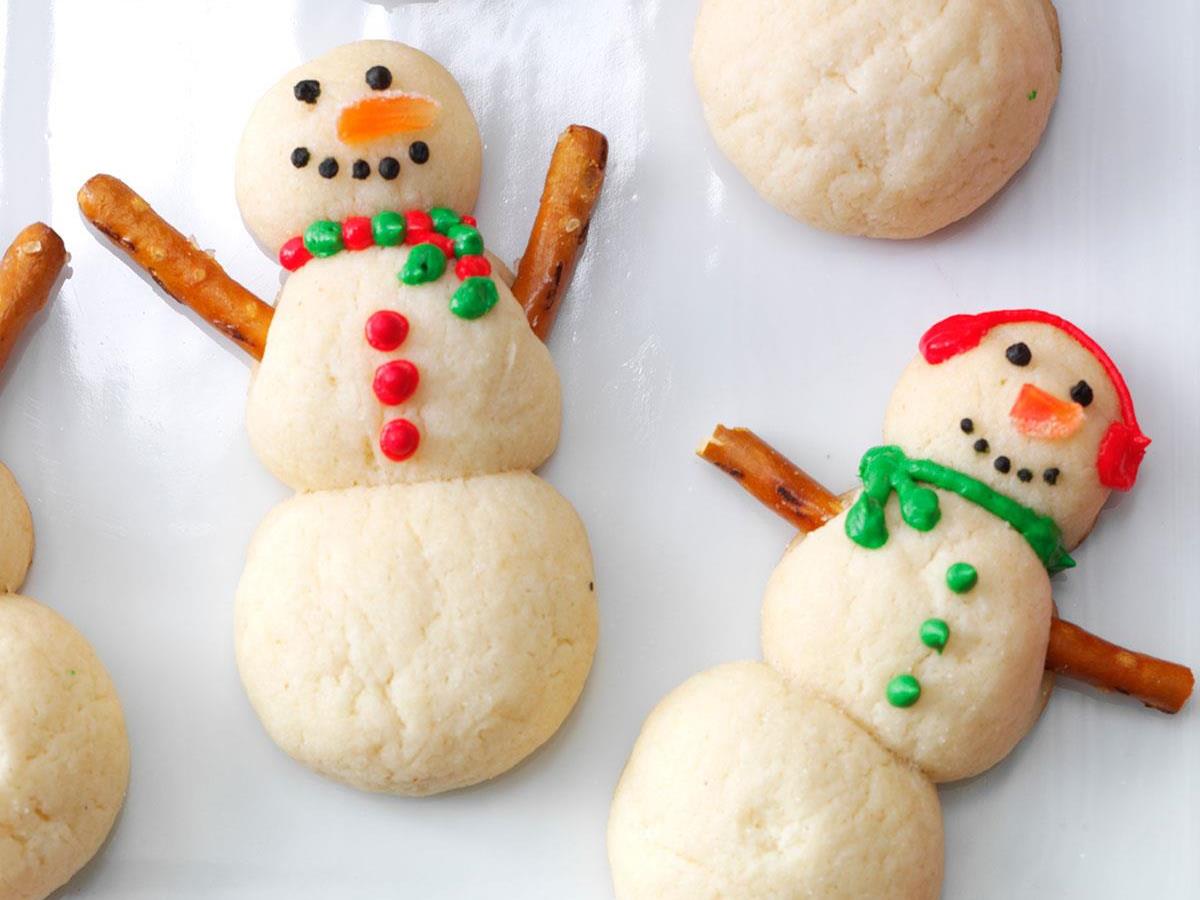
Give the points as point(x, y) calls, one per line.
point(696, 304)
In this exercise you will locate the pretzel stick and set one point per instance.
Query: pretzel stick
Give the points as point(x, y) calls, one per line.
point(181, 268)
point(1072, 652)
point(27, 274)
point(573, 185)
point(1085, 657)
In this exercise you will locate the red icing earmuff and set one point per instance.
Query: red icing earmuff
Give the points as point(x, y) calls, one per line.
point(1123, 445)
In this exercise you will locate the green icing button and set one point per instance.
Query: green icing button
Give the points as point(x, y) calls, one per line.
point(961, 577)
point(388, 229)
point(474, 297)
point(935, 633)
point(903, 691)
point(323, 238)
point(425, 263)
point(467, 240)
point(444, 219)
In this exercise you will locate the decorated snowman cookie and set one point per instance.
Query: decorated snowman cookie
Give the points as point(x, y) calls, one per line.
point(878, 118)
point(921, 615)
point(422, 615)
point(64, 756)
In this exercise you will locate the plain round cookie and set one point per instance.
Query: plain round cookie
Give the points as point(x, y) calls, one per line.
point(16, 533)
point(876, 117)
point(929, 403)
point(278, 200)
point(488, 400)
point(415, 639)
point(742, 787)
point(842, 621)
point(64, 756)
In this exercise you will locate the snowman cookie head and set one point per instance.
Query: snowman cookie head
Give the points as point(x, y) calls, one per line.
point(369, 126)
point(16, 534)
point(1027, 403)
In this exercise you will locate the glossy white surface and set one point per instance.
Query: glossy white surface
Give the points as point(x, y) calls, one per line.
point(696, 304)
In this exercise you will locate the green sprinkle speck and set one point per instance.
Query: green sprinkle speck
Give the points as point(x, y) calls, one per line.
point(71, 672)
point(1033, 94)
point(935, 633)
point(961, 577)
point(903, 691)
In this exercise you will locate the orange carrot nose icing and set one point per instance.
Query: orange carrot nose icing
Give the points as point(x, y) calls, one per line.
point(377, 117)
point(1039, 414)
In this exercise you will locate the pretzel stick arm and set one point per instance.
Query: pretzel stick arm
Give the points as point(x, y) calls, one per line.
point(28, 271)
point(572, 188)
point(1085, 657)
point(770, 477)
point(1072, 652)
point(179, 267)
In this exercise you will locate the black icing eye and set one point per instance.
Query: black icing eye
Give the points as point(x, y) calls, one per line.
point(389, 167)
point(300, 157)
point(1082, 394)
point(1018, 354)
point(328, 167)
point(418, 152)
point(379, 78)
point(307, 91)
point(361, 169)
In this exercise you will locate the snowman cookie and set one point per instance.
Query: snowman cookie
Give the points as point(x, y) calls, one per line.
point(64, 756)
point(877, 118)
point(422, 615)
point(921, 617)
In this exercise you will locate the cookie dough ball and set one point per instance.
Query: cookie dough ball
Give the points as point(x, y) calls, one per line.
point(877, 118)
point(64, 756)
point(298, 163)
point(415, 639)
point(16, 533)
point(843, 621)
point(742, 787)
point(488, 399)
point(929, 404)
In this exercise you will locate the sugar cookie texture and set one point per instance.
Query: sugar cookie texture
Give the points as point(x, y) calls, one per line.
point(845, 620)
point(488, 400)
point(875, 117)
point(422, 616)
point(741, 786)
point(16, 533)
point(278, 199)
point(930, 401)
point(417, 638)
point(64, 756)
point(923, 633)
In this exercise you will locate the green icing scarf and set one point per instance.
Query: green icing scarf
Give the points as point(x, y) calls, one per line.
point(887, 469)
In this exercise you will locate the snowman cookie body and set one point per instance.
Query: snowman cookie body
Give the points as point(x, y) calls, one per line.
point(422, 615)
point(64, 754)
point(920, 615)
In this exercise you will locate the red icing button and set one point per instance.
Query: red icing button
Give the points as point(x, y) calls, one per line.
point(416, 220)
point(399, 439)
point(442, 242)
point(395, 382)
point(470, 220)
point(386, 330)
point(294, 254)
point(470, 266)
point(356, 233)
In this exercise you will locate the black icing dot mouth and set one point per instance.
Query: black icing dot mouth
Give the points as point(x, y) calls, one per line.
point(388, 168)
point(1004, 464)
